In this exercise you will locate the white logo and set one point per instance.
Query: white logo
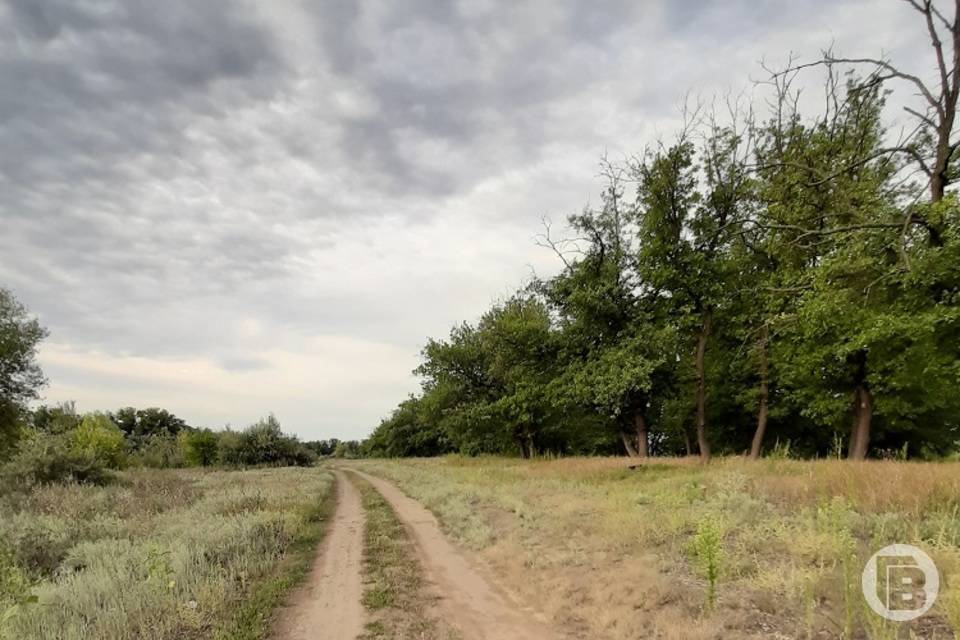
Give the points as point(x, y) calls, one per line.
point(900, 582)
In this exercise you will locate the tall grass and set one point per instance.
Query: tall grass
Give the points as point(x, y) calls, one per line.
point(158, 555)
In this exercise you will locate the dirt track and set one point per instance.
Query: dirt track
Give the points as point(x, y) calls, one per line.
point(468, 602)
point(328, 606)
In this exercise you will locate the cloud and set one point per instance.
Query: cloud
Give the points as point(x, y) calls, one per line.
point(232, 207)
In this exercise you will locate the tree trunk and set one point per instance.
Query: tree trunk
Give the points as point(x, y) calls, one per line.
point(764, 409)
point(686, 441)
point(643, 440)
point(628, 444)
point(522, 443)
point(862, 417)
point(702, 386)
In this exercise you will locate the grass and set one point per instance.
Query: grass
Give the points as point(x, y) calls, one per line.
point(159, 554)
point(672, 549)
point(395, 593)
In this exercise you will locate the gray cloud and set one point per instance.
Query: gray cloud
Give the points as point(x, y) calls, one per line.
point(261, 191)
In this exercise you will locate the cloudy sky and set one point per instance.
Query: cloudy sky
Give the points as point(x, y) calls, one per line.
point(226, 208)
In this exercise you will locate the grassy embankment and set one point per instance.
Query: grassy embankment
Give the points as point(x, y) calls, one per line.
point(610, 552)
point(394, 591)
point(158, 555)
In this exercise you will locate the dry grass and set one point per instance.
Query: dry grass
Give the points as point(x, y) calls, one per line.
point(610, 552)
point(159, 555)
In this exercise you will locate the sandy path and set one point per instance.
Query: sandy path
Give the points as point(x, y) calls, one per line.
point(328, 606)
point(468, 601)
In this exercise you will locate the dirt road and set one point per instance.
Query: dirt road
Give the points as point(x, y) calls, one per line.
point(468, 602)
point(327, 606)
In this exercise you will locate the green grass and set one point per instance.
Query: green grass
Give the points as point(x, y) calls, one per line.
point(394, 591)
point(158, 555)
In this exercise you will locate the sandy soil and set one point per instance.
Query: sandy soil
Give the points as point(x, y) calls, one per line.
point(327, 606)
point(468, 602)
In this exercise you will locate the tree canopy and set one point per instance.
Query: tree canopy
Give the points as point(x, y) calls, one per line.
point(758, 277)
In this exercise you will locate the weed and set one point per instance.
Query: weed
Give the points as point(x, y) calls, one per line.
point(707, 547)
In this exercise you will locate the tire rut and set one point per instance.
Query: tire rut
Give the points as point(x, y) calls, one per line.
point(467, 601)
point(328, 606)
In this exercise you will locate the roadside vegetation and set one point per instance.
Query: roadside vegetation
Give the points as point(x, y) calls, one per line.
point(395, 593)
point(157, 554)
point(674, 549)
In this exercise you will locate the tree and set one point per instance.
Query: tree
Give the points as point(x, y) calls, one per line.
point(140, 426)
point(783, 273)
point(20, 374)
point(57, 419)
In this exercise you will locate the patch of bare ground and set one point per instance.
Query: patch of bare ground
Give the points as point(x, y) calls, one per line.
point(327, 606)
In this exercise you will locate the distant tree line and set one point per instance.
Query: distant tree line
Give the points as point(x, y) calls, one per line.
point(780, 278)
point(52, 443)
point(58, 443)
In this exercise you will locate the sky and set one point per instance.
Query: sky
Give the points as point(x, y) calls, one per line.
point(227, 208)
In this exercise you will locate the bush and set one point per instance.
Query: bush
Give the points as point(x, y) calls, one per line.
point(43, 458)
point(230, 447)
point(99, 438)
point(159, 451)
point(200, 447)
point(263, 443)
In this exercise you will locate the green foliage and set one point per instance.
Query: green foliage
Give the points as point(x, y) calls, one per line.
point(98, 438)
point(262, 443)
point(349, 450)
point(20, 375)
point(43, 458)
point(707, 548)
point(780, 272)
point(161, 451)
point(200, 447)
point(139, 426)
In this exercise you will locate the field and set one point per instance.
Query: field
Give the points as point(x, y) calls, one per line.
point(157, 555)
point(605, 551)
point(576, 548)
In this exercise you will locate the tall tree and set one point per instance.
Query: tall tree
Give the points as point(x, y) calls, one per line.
point(20, 374)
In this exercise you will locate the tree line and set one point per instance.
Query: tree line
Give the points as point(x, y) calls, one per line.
point(52, 443)
point(782, 278)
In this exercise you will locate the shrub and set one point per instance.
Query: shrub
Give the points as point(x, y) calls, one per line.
point(230, 448)
point(43, 458)
point(200, 447)
point(263, 443)
point(160, 451)
point(99, 438)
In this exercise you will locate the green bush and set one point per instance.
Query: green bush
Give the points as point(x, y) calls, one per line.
point(263, 443)
point(99, 438)
point(159, 451)
point(199, 447)
point(43, 459)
